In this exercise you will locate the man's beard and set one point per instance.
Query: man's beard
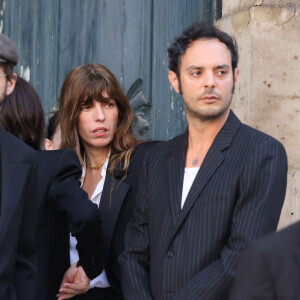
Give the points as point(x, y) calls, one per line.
point(210, 114)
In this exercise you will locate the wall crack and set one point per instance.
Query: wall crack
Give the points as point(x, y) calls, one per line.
point(290, 18)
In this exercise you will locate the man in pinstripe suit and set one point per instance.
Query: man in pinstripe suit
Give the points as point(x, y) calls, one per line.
point(208, 193)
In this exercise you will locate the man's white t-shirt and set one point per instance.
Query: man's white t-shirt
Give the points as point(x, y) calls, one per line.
point(188, 179)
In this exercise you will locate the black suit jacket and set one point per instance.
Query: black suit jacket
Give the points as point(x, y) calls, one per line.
point(271, 268)
point(41, 201)
point(62, 206)
point(17, 239)
point(235, 198)
point(116, 209)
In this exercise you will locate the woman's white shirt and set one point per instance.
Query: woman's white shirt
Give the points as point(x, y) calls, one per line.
point(100, 281)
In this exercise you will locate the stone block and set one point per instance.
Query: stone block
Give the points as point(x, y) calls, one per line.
point(281, 3)
point(230, 6)
point(267, 94)
point(291, 207)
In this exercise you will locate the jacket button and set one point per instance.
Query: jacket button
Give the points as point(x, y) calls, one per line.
point(170, 253)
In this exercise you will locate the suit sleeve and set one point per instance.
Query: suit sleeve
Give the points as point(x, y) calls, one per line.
point(24, 278)
point(134, 261)
point(261, 192)
point(82, 214)
point(254, 279)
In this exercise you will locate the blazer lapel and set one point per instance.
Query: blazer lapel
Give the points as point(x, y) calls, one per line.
point(13, 178)
point(111, 203)
point(176, 164)
point(114, 193)
point(212, 161)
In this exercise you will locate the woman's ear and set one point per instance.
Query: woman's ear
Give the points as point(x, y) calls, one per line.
point(48, 144)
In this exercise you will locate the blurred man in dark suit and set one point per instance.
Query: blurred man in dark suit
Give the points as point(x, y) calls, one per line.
point(28, 184)
point(271, 268)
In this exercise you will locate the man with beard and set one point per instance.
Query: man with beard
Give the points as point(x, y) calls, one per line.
point(206, 194)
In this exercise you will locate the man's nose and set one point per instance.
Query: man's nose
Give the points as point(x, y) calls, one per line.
point(209, 80)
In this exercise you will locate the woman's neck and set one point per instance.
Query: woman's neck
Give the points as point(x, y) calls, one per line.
point(95, 158)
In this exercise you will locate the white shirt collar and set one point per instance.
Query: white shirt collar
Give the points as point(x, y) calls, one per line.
point(99, 188)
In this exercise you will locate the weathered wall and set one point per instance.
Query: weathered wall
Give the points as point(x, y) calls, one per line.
point(267, 96)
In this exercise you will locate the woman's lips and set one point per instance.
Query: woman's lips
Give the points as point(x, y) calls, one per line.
point(101, 131)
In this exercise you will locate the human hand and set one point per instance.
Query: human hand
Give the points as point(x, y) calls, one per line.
point(75, 282)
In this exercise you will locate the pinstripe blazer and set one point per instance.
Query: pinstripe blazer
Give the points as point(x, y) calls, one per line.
point(236, 197)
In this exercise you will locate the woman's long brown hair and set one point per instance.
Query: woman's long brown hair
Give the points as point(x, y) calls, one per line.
point(83, 85)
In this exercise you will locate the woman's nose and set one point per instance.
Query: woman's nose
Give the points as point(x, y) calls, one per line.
point(99, 112)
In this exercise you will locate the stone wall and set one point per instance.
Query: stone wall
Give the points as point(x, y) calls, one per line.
point(267, 95)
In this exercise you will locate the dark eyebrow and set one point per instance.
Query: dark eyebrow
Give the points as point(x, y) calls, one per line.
point(193, 67)
point(225, 66)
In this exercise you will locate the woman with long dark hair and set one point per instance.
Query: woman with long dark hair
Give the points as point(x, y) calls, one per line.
point(96, 121)
point(22, 114)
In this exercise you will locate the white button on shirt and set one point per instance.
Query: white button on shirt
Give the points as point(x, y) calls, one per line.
point(100, 281)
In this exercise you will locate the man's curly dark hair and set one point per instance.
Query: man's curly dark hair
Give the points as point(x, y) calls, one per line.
point(198, 31)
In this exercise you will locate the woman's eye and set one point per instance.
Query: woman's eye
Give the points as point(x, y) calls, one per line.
point(110, 104)
point(85, 106)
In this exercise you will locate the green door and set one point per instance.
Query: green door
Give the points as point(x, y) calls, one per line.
point(130, 37)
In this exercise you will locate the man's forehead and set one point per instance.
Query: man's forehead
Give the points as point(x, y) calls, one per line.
point(204, 50)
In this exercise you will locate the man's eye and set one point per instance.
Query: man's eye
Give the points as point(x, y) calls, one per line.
point(196, 73)
point(222, 72)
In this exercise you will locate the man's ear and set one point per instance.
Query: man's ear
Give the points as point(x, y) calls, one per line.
point(174, 81)
point(11, 82)
point(236, 75)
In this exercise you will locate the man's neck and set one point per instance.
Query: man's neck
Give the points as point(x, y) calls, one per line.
point(200, 138)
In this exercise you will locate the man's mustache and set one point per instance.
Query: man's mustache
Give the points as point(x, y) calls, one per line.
point(209, 92)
